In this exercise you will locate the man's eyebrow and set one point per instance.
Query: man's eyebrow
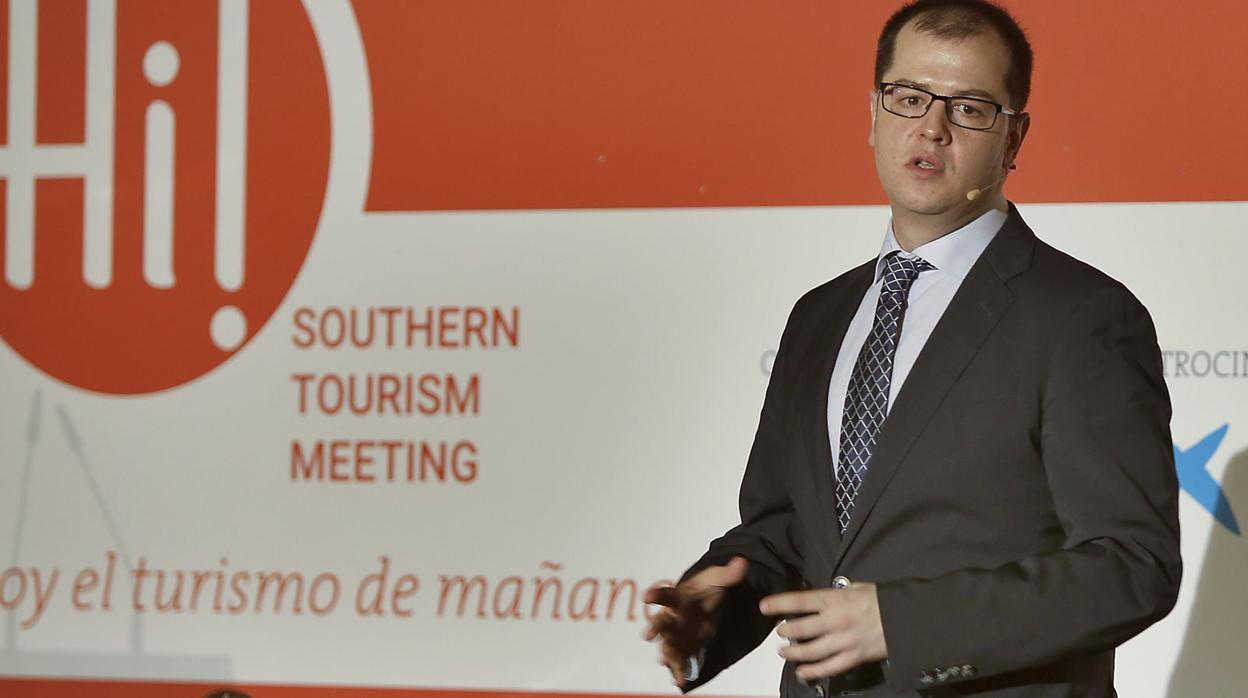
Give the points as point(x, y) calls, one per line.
point(969, 92)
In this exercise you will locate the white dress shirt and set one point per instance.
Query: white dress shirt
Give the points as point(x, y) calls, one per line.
point(953, 255)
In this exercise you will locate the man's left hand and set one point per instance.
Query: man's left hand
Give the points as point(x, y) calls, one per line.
point(830, 631)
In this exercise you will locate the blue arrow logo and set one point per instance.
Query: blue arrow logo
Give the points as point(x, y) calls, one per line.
point(1194, 477)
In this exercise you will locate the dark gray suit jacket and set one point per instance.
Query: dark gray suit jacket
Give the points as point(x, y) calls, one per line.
point(1020, 512)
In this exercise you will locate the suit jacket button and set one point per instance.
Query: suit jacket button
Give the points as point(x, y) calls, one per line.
point(840, 582)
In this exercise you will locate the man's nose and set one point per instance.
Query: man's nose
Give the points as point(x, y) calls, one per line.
point(934, 125)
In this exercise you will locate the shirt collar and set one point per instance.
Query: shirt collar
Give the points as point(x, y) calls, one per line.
point(953, 253)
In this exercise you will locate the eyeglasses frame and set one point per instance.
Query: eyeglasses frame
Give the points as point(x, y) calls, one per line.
point(1000, 108)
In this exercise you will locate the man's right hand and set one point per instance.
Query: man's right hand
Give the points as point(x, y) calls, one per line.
point(686, 622)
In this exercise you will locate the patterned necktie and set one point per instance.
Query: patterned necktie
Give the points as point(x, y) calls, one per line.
point(866, 400)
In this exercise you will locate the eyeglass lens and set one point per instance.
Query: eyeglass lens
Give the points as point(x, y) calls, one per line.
point(913, 103)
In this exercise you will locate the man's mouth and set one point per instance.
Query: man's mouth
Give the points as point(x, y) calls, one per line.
point(926, 163)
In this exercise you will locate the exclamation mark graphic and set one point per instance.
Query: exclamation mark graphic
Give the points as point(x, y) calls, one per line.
point(228, 327)
point(160, 67)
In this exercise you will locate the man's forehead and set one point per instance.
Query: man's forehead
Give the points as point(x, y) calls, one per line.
point(974, 66)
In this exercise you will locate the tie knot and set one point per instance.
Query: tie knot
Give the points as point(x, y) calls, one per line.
point(900, 272)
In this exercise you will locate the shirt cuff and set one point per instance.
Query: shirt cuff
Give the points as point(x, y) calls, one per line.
point(693, 665)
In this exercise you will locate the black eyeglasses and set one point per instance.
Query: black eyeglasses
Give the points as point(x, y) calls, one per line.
point(968, 112)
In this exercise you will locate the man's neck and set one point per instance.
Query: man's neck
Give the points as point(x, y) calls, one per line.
point(914, 230)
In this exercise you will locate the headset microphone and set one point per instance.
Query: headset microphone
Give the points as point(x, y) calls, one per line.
point(975, 193)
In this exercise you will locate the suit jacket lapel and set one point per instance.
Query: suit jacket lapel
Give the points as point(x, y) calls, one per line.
point(824, 347)
point(975, 309)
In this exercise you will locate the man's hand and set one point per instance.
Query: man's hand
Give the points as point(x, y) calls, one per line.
point(831, 630)
point(686, 623)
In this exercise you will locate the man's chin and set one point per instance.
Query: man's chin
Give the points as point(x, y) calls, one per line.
point(928, 205)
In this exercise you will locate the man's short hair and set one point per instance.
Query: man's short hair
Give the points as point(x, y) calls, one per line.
point(961, 19)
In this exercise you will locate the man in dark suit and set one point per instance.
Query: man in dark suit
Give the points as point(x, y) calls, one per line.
point(962, 481)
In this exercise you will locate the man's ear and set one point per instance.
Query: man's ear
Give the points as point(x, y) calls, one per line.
point(871, 133)
point(1015, 137)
